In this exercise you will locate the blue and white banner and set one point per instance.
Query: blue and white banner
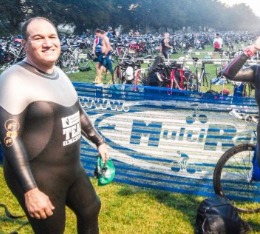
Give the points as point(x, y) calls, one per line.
point(164, 139)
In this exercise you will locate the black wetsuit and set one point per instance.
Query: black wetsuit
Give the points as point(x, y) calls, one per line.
point(251, 74)
point(41, 122)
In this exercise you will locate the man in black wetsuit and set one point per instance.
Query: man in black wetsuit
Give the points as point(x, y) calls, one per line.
point(235, 71)
point(41, 122)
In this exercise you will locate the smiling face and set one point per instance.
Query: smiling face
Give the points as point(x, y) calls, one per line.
point(42, 45)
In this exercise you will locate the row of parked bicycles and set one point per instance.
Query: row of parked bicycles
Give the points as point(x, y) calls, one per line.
point(172, 75)
point(129, 55)
point(178, 74)
point(125, 45)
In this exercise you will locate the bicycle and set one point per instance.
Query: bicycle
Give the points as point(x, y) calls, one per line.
point(121, 51)
point(175, 76)
point(238, 172)
point(10, 54)
point(73, 60)
point(128, 72)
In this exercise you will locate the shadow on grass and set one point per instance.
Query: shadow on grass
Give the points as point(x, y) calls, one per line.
point(186, 204)
point(255, 226)
point(16, 224)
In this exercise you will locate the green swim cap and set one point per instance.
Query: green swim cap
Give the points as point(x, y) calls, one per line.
point(105, 172)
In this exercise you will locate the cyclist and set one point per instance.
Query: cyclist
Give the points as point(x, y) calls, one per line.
point(235, 71)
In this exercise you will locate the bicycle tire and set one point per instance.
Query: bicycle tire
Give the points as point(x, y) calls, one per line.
point(193, 83)
point(139, 78)
point(117, 76)
point(232, 177)
point(166, 84)
point(83, 64)
point(218, 71)
point(9, 57)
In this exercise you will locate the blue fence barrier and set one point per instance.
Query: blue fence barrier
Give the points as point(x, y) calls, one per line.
point(162, 138)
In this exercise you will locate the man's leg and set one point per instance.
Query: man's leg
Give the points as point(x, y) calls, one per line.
point(98, 79)
point(99, 69)
point(54, 224)
point(85, 203)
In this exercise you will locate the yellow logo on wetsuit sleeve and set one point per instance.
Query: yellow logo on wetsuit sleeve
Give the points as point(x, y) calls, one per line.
point(12, 126)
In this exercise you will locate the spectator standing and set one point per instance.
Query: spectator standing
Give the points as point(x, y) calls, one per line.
point(217, 43)
point(165, 47)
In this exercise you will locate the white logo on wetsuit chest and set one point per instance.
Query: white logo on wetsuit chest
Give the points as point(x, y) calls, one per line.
point(71, 128)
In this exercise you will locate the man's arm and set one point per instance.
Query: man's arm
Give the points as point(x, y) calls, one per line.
point(234, 70)
point(91, 134)
point(166, 43)
point(11, 131)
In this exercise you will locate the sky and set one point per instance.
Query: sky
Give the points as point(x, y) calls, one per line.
point(253, 4)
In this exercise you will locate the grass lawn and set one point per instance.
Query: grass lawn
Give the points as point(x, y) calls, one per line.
point(127, 209)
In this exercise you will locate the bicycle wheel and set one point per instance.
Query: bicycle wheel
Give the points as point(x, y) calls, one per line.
point(232, 178)
point(139, 78)
point(83, 62)
point(218, 71)
point(193, 83)
point(64, 60)
point(117, 76)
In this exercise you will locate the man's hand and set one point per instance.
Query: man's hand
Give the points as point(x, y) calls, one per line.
point(38, 204)
point(103, 151)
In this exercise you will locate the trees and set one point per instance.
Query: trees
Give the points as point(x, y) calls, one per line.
point(138, 14)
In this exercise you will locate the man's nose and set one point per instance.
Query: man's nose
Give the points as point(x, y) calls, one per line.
point(47, 41)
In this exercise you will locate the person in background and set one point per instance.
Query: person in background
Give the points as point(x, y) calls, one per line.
point(165, 47)
point(137, 33)
point(104, 60)
point(131, 33)
point(236, 71)
point(217, 43)
point(110, 33)
point(41, 124)
point(96, 50)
